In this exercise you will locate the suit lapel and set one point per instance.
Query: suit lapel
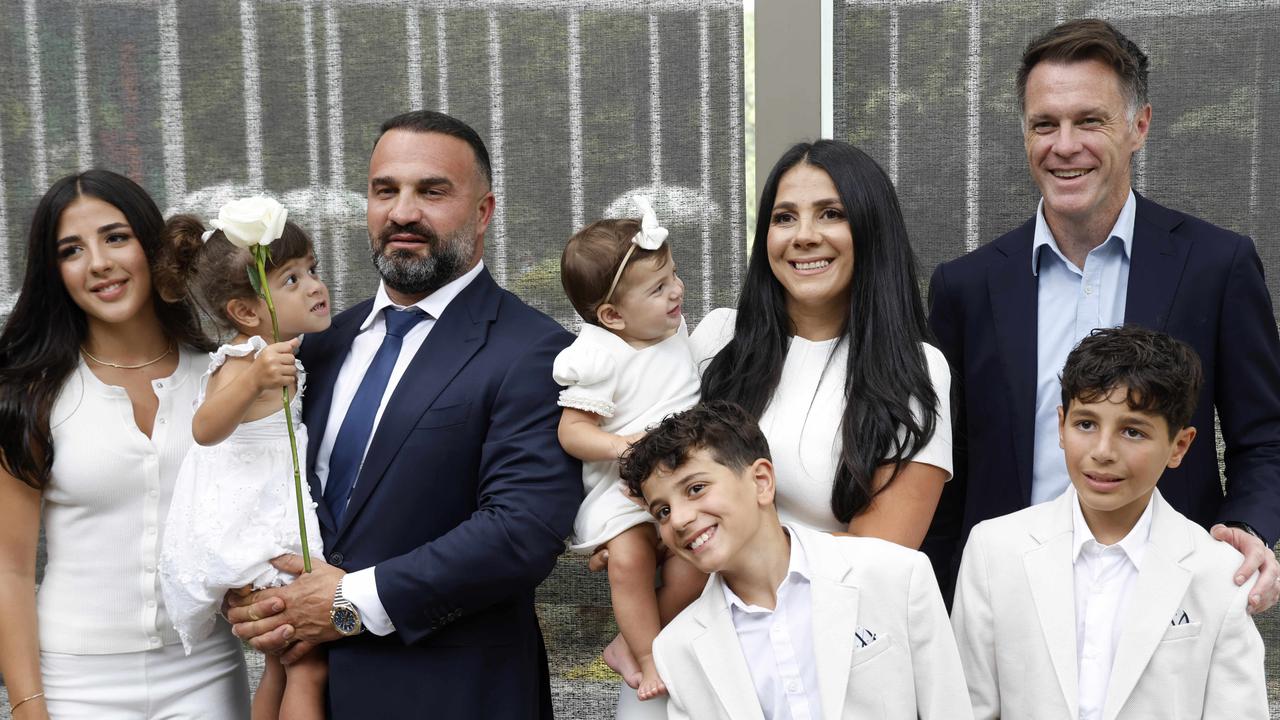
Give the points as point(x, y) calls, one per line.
point(330, 352)
point(1162, 582)
point(1013, 311)
point(1155, 266)
point(1051, 576)
point(454, 339)
point(720, 655)
point(835, 620)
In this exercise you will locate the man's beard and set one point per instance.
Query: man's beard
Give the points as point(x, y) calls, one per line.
point(413, 274)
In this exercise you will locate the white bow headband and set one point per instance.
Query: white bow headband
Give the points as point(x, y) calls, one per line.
point(651, 237)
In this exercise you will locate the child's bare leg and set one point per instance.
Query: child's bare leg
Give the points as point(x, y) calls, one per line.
point(266, 701)
point(633, 560)
point(304, 688)
point(682, 583)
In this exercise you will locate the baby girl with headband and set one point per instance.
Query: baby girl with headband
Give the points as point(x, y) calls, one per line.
point(234, 506)
point(630, 367)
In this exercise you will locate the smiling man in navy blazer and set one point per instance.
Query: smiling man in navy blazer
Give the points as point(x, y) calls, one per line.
point(444, 495)
point(1096, 254)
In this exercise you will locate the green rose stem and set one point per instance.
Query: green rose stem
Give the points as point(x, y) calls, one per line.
point(260, 260)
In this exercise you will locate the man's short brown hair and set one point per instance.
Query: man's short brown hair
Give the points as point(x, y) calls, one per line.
point(724, 430)
point(1089, 39)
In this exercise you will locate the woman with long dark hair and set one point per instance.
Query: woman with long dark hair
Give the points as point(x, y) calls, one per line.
point(99, 365)
point(828, 349)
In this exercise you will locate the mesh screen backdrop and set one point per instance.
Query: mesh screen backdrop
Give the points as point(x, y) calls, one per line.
point(927, 88)
point(582, 103)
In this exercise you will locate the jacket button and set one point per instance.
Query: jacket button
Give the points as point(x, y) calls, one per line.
point(335, 558)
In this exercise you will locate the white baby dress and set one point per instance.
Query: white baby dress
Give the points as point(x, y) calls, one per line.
point(630, 390)
point(234, 510)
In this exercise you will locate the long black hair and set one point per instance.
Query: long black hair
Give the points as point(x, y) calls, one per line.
point(884, 328)
point(40, 343)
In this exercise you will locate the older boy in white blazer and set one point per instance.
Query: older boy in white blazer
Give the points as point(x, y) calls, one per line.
point(1107, 604)
point(792, 623)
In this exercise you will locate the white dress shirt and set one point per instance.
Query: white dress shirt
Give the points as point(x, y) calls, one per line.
point(1104, 579)
point(361, 587)
point(778, 644)
point(1072, 302)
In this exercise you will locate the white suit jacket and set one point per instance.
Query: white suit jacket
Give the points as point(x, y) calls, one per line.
point(1187, 648)
point(911, 669)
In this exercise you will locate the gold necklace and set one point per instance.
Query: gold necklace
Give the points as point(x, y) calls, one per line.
point(168, 349)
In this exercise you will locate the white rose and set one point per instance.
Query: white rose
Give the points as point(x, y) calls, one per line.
point(252, 221)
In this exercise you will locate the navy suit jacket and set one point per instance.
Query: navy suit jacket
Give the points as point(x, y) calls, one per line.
point(463, 503)
point(1199, 283)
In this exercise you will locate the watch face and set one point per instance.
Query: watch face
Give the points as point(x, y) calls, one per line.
point(345, 620)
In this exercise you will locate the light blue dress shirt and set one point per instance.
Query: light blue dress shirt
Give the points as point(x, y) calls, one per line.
point(1072, 303)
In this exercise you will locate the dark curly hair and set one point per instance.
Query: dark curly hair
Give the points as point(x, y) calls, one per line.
point(724, 430)
point(1160, 375)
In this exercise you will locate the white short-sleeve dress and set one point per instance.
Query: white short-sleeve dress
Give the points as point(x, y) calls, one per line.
point(630, 389)
point(802, 420)
point(234, 509)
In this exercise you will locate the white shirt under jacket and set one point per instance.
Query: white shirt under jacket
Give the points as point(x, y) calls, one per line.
point(778, 644)
point(360, 587)
point(1105, 576)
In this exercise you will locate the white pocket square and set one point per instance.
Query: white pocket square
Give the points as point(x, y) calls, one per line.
point(1181, 618)
point(864, 636)
point(1178, 632)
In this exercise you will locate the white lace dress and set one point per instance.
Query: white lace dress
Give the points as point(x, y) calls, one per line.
point(630, 390)
point(233, 510)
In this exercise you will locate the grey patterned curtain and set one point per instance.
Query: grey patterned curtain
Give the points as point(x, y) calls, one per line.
point(582, 103)
point(927, 88)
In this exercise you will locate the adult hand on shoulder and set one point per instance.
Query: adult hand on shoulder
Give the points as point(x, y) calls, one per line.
point(274, 619)
point(1257, 557)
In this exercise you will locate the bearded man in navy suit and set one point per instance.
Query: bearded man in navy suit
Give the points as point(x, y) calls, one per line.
point(1097, 254)
point(444, 496)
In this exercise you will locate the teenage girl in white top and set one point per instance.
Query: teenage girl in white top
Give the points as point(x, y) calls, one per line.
point(98, 372)
point(234, 504)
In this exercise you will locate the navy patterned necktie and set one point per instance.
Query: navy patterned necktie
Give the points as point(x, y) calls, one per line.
point(353, 435)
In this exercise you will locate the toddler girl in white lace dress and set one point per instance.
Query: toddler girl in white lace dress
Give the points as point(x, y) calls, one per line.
point(234, 506)
point(630, 367)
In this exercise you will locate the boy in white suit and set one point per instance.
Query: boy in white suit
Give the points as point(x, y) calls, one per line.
point(792, 623)
point(1107, 603)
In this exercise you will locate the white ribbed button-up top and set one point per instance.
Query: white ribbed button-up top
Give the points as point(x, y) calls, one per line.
point(104, 510)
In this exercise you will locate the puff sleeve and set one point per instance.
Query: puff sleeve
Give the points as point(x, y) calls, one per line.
point(589, 376)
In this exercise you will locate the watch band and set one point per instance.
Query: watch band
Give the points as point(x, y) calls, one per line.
point(344, 615)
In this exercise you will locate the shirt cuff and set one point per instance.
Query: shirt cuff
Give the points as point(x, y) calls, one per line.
point(361, 588)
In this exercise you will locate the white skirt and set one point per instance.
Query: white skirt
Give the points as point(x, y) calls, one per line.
point(160, 684)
